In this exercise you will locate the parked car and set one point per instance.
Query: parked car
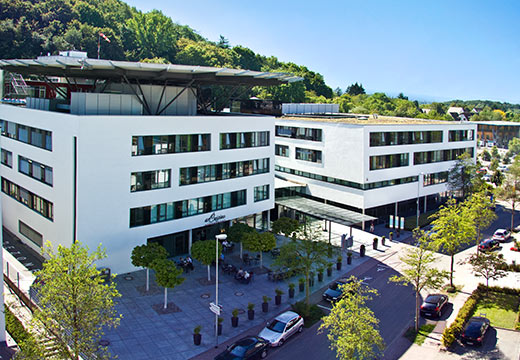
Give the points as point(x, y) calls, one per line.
point(501, 235)
point(488, 245)
point(433, 305)
point(487, 178)
point(282, 327)
point(475, 331)
point(251, 347)
point(334, 292)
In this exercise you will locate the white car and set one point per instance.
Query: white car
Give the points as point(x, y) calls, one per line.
point(282, 327)
point(501, 235)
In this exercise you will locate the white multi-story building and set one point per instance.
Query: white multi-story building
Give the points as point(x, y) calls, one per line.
point(124, 158)
point(373, 165)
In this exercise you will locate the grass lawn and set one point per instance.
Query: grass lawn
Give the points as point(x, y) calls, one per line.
point(418, 338)
point(501, 309)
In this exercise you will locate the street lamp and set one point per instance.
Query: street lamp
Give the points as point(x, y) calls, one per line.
point(418, 190)
point(220, 237)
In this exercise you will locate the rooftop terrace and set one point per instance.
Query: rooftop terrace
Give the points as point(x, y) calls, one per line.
point(364, 119)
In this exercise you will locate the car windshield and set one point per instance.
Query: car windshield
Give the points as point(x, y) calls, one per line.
point(335, 285)
point(237, 350)
point(276, 326)
point(473, 329)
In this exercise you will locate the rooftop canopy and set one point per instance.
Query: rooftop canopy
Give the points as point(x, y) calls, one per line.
point(147, 73)
point(324, 211)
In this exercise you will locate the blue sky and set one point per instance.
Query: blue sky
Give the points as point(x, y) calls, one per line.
point(439, 50)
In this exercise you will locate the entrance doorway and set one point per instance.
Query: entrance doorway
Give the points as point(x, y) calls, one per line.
point(176, 244)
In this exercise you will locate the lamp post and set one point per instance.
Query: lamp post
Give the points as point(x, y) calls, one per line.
point(220, 237)
point(418, 191)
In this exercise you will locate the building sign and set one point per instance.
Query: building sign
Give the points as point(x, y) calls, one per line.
point(213, 218)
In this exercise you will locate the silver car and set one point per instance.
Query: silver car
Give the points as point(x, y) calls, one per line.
point(282, 327)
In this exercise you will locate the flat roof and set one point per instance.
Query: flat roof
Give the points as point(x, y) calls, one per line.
point(364, 119)
point(85, 68)
point(497, 123)
point(324, 211)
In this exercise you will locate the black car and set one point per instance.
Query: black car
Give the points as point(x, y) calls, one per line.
point(251, 347)
point(433, 305)
point(334, 292)
point(475, 331)
point(488, 245)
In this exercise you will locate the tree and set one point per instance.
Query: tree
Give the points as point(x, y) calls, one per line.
point(486, 156)
point(497, 178)
point(462, 174)
point(419, 270)
point(352, 325)
point(509, 191)
point(204, 251)
point(237, 232)
point(494, 164)
point(75, 303)
point(260, 242)
point(494, 153)
point(304, 253)
point(514, 147)
point(285, 226)
point(167, 275)
point(338, 91)
point(145, 255)
point(479, 208)
point(355, 89)
point(223, 43)
point(487, 265)
point(454, 227)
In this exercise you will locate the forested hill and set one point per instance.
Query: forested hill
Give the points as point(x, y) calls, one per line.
point(29, 28)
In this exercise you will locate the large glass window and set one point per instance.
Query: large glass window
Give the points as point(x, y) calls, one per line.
point(179, 209)
point(435, 178)
point(428, 157)
point(404, 138)
point(240, 140)
point(35, 170)
point(299, 133)
point(32, 201)
point(170, 144)
point(7, 158)
point(261, 193)
point(27, 134)
point(388, 161)
point(150, 180)
point(308, 155)
point(281, 150)
point(460, 135)
point(216, 172)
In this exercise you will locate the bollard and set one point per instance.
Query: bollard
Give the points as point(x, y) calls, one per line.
point(362, 251)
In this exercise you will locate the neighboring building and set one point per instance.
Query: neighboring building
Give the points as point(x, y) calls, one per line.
point(458, 113)
point(497, 133)
point(376, 166)
point(124, 159)
point(308, 108)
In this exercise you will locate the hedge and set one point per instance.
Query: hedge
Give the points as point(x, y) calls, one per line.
point(466, 311)
point(15, 328)
point(509, 267)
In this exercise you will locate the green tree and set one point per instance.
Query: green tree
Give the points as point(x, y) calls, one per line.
point(509, 191)
point(74, 302)
point(497, 178)
point(355, 89)
point(285, 226)
point(479, 207)
point(237, 232)
point(351, 324)
point(486, 156)
point(223, 43)
point(487, 265)
point(494, 153)
point(454, 228)
point(145, 255)
point(260, 242)
point(514, 147)
point(494, 164)
point(204, 251)
point(462, 174)
point(419, 270)
point(304, 253)
point(167, 275)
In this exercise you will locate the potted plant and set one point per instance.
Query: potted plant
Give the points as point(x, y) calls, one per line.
point(339, 262)
point(265, 304)
point(291, 290)
point(391, 235)
point(219, 326)
point(320, 274)
point(349, 257)
point(278, 297)
point(251, 311)
point(234, 317)
point(374, 243)
point(301, 284)
point(329, 269)
point(197, 336)
point(383, 241)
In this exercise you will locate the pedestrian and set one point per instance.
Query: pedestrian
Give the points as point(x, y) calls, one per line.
point(372, 227)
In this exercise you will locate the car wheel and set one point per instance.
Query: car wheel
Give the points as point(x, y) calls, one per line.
point(300, 329)
point(263, 354)
point(281, 342)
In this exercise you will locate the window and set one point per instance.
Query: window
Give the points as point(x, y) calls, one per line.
point(150, 180)
point(299, 133)
point(404, 138)
point(35, 170)
point(460, 135)
point(216, 172)
point(261, 192)
point(435, 178)
point(241, 140)
point(308, 155)
point(428, 157)
point(388, 161)
point(26, 134)
point(281, 150)
point(170, 144)
point(7, 158)
point(179, 209)
point(32, 201)
point(30, 233)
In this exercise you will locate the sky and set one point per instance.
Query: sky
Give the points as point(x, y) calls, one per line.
point(434, 50)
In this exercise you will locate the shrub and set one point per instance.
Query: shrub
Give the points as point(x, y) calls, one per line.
point(301, 280)
point(15, 327)
point(451, 333)
point(234, 312)
point(278, 292)
point(197, 329)
point(220, 320)
point(291, 286)
point(250, 306)
point(266, 299)
point(311, 314)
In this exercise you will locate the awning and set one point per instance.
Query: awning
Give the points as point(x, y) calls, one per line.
point(324, 211)
point(282, 183)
